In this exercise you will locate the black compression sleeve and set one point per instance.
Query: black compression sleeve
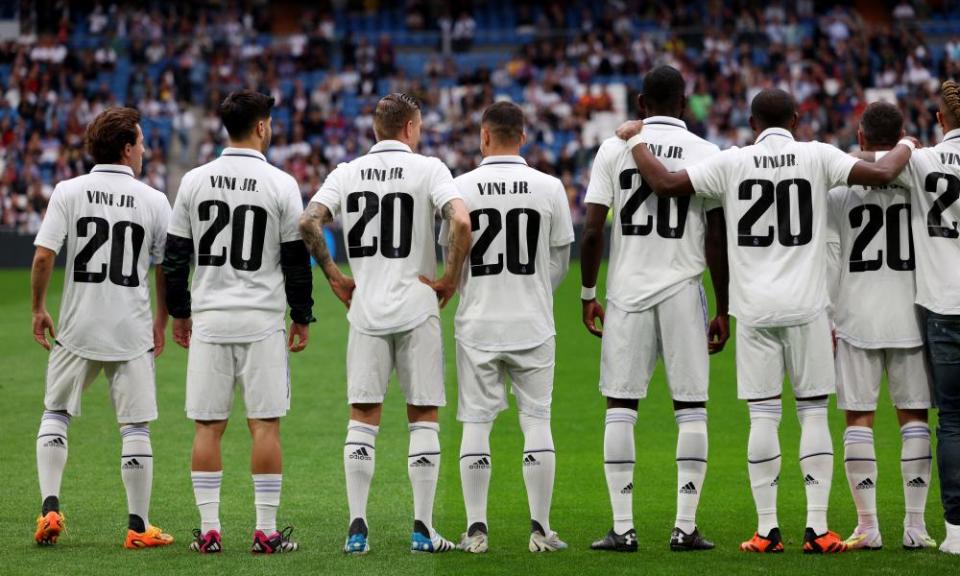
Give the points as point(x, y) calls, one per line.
point(297, 280)
point(176, 269)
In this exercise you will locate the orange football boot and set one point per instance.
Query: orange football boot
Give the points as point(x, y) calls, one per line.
point(150, 538)
point(826, 543)
point(49, 527)
point(771, 544)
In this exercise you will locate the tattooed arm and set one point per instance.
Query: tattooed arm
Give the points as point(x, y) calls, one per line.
point(312, 221)
point(458, 219)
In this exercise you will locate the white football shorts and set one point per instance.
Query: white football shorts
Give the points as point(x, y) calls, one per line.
point(675, 330)
point(482, 387)
point(417, 354)
point(860, 370)
point(804, 352)
point(260, 369)
point(132, 384)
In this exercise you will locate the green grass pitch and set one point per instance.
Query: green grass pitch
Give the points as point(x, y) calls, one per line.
point(314, 496)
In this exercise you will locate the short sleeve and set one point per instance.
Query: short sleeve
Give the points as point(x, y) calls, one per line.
point(329, 193)
point(180, 218)
point(291, 206)
point(53, 229)
point(837, 165)
point(602, 187)
point(160, 228)
point(442, 188)
point(561, 226)
point(709, 177)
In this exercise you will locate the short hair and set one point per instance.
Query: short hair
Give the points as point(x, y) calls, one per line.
point(881, 124)
point(505, 121)
point(663, 88)
point(110, 132)
point(392, 114)
point(241, 110)
point(773, 108)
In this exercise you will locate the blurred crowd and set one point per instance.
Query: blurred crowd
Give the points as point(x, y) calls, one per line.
point(558, 59)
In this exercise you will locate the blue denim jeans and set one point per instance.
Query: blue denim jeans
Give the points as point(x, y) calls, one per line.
point(943, 349)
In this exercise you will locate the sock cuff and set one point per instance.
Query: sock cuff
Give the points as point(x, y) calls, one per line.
point(51, 416)
point(812, 405)
point(134, 431)
point(267, 483)
point(766, 409)
point(625, 415)
point(530, 423)
point(206, 480)
point(919, 430)
point(690, 415)
point(417, 426)
point(857, 435)
point(363, 428)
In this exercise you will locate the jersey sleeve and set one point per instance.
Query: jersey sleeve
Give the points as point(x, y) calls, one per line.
point(442, 188)
point(329, 193)
point(836, 164)
point(709, 177)
point(53, 229)
point(561, 225)
point(602, 187)
point(160, 229)
point(180, 218)
point(834, 214)
point(291, 206)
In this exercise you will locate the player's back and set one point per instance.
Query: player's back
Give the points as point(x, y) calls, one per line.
point(775, 199)
point(657, 243)
point(238, 209)
point(112, 225)
point(874, 307)
point(389, 199)
point(517, 214)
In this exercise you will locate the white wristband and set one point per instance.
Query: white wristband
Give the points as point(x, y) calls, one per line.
point(908, 143)
point(633, 141)
point(588, 293)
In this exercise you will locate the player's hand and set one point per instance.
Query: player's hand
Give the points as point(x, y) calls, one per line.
point(629, 129)
point(915, 141)
point(445, 288)
point(299, 336)
point(43, 323)
point(718, 333)
point(182, 330)
point(159, 336)
point(592, 310)
point(343, 287)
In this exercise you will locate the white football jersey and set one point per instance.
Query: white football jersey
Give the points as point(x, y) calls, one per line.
point(113, 225)
point(517, 215)
point(388, 201)
point(237, 209)
point(874, 307)
point(658, 243)
point(933, 176)
point(774, 195)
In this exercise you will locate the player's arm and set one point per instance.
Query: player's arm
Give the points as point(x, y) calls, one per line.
point(43, 260)
point(884, 170)
point(716, 252)
point(298, 285)
point(176, 271)
point(591, 253)
point(312, 221)
point(662, 181)
point(559, 264)
point(458, 245)
point(160, 318)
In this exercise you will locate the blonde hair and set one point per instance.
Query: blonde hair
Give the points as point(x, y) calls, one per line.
point(950, 93)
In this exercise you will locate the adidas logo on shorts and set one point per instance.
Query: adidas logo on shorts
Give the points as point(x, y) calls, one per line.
point(917, 483)
point(866, 484)
point(483, 463)
point(360, 454)
point(809, 480)
point(421, 462)
point(132, 464)
point(688, 488)
point(628, 489)
point(55, 443)
point(529, 460)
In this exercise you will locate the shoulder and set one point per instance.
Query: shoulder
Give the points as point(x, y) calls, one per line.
point(610, 147)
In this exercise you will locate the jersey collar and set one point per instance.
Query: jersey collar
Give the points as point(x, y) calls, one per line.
point(389, 146)
point(113, 169)
point(665, 121)
point(773, 132)
point(952, 135)
point(509, 159)
point(247, 152)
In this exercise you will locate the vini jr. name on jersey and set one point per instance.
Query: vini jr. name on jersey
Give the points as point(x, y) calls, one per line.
point(501, 188)
point(230, 183)
point(110, 199)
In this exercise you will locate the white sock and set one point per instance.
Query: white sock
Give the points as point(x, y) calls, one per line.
point(915, 459)
point(619, 456)
point(359, 458)
point(266, 498)
point(423, 467)
point(539, 468)
point(691, 464)
point(860, 462)
point(51, 452)
point(475, 468)
point(206, 492)
point(816, 460)
point(763, 458)
point(136, 469)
